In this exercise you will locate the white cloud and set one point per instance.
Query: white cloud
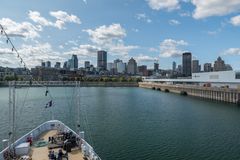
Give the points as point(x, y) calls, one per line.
point(232, 51)
point(73, 42)
point(5, 51)
point(153, 49)
point(110, 38)
point(37, 18)
point(207, 8)
point(174, 22)
point(61, 46)
point(164, 4)
point(143, 17)
point(85, 1)
point(171, 48)
point(24, 29)
point(235, 20)
point(34, 54)
point(185, 14)
point(120, 49)
point(212, 33)
point(106, 34)
point(83, 51)
point(135, 30)
point(61, 16)
point(145, 58)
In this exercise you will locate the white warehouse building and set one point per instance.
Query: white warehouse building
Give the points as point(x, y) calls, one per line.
point(215, 79)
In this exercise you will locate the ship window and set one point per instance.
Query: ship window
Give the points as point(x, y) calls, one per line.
point(237, 75)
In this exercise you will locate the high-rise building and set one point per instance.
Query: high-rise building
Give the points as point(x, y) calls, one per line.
point(110, 67)
point(156, 66)
point(43, 64)
point(207, 67)
point(219, 65)
point(142, 70)
point(187, 64)
point(121, 67)
point(65, 64)
point(48, 64)
point(74, 62)
point(195, 66)
point(132, 67)
point(179, 69)
point(115, 65)
point(57, 65)
point(102, 60)
point(87, 64)
point(174, 65)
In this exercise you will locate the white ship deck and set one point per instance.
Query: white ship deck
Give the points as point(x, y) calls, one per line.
point(53, 128)
point(41, 153)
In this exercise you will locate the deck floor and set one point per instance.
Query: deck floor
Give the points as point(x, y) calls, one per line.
point(41, 153)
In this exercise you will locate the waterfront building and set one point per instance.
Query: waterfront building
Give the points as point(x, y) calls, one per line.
point(121, 67)
point(132, 67)
point(102, 60)
point(48, 64)
point(174, 65)
point(87, 64)
point(213, 79)
point(187, 64)
point(207, 67)
point(195, 66)
point(57, 65)
point(219, 65)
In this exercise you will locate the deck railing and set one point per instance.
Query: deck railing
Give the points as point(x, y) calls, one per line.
point(87, 149)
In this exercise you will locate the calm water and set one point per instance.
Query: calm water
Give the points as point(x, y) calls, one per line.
point(135, 123)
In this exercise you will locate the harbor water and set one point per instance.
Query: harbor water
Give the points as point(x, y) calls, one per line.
point(133, 123)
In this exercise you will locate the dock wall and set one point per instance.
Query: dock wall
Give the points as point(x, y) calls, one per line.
point(213, 93)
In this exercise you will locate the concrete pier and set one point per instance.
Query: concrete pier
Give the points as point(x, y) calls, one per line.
point(214, 93)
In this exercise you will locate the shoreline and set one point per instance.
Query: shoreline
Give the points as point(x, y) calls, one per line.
point(83, 84)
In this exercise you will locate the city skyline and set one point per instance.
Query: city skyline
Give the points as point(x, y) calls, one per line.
point(147, 30)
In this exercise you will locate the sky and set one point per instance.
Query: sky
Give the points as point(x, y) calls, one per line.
point(147, 30)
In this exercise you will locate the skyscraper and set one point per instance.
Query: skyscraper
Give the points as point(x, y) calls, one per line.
point(43, 64)
point(207, 67)
point(195, 66)
point(86, 64)
point(74, 62)
point(187, 64)
point(132, 67)
point(174, 65)
point(102, 60)
point(219, 65)
point(156, 66)
point(48, 64)
point(57, 65)
point(121, 67)
point(65, 64)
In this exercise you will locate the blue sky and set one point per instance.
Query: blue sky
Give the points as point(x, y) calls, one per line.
point(148, 30)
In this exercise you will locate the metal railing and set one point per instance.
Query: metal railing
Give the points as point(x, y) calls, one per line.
point(87, 149)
